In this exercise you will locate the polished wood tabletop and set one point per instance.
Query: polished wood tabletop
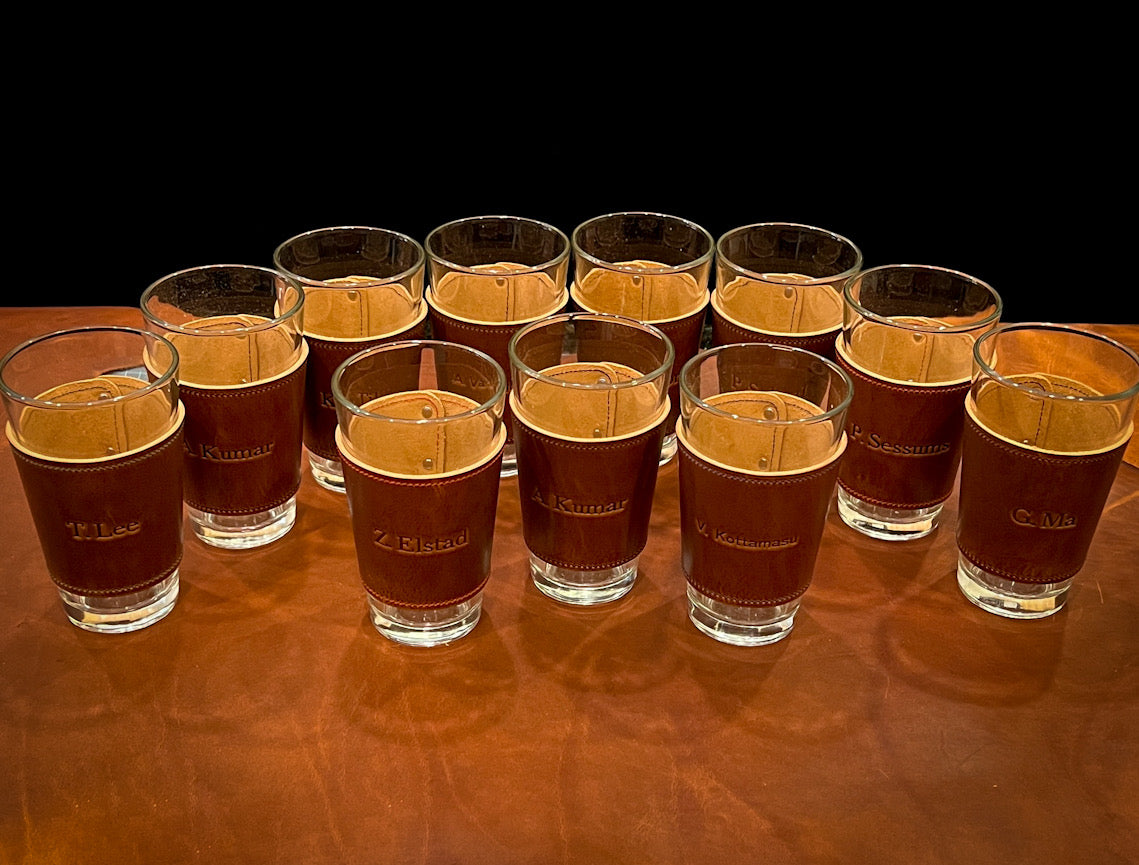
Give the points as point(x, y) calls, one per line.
point(265, 720)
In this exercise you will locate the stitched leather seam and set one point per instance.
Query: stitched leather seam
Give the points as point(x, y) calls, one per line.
point(448, 603)
point(100, 468)
point(1036, 456)
point(594, 566)
point(617, 444)
point(240, 512)
point(739, 334)
point(485, 328)
point(1009, 575)
point(244, 392)
point(751, 480)
point(934, 389)
point(123, 590)
point(742, 602)
point(427, 479)
point(874, 500)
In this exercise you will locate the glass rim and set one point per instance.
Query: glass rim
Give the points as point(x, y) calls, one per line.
point(845, 274)
point(421, 256)
point(665, 268)
point(832, 367)
point(342, 399)
point(562, 319)
point(149, 386)
point(466, 268)
point(881, 319)
point(269, 324)
point(988, 372)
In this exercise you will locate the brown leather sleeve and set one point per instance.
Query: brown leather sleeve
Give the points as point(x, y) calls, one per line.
point(423, 542)
point(1026, 515)
point(108, 528)
point(243, 445)
point(905, 441)
point(725, 332)
point(586, 505)
point(491, 339)
point(747, 539)
point(685, 334)
point(324, 357)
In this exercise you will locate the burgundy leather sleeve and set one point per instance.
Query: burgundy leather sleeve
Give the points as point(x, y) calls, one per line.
point(108, 528)
point(905, 441)
point(685, 334)
point(423, 543)
point(747, 539)
point(1025, 515)
point(586, 505)
point(725, 332)
point(325, 355)
point(243, 445)
point(491, 339)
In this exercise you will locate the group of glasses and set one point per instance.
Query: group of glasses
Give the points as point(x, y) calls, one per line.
point(769, 363)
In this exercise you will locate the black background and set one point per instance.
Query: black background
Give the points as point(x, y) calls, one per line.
point(110, 203)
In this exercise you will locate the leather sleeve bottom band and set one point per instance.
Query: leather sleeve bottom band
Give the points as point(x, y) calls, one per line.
point(243, 445)
point(325, 355)
point(1025, 515)
point(586, 505)
point(751, 540)
point(108, 528)
point(423, 543)
point(905, 440)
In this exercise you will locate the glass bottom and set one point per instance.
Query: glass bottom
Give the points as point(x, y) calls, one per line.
point(741, 626)
point(417, 627)
point(120, 614)
point(1009, 598)
point(668, 448)
point(887, 524)
point(328, 473)
point(245, 531)
point(583, 588)
point(509, 461)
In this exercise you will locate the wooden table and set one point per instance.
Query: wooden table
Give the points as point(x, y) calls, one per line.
point(265, 720)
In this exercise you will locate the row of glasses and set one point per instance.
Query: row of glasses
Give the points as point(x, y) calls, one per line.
point(255, 350)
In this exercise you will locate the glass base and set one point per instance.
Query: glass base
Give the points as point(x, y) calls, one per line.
point(245, 531)
point(509, 461)
point(668, 448)
point(328, 473)
point(120, 614)
point(1009, 598)
point(887, 524)
point(741, 626)
point(416, 627)
point(583, 588)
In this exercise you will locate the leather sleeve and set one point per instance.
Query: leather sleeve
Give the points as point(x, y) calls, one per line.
point(108, 528)
point(1025, 515)
point(586, 505)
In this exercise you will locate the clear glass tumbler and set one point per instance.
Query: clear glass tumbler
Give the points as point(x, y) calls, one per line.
point(96, 429)
point(651, 267)
point(589, 395)
point(907, 343)
point(421, 438)
point(363, 287)
point(781, 282)
point(761, 441)
point(1049, 414)
point(239, 331)
point(490, 276)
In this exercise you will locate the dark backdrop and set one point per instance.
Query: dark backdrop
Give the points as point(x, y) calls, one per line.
point(112, 213)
